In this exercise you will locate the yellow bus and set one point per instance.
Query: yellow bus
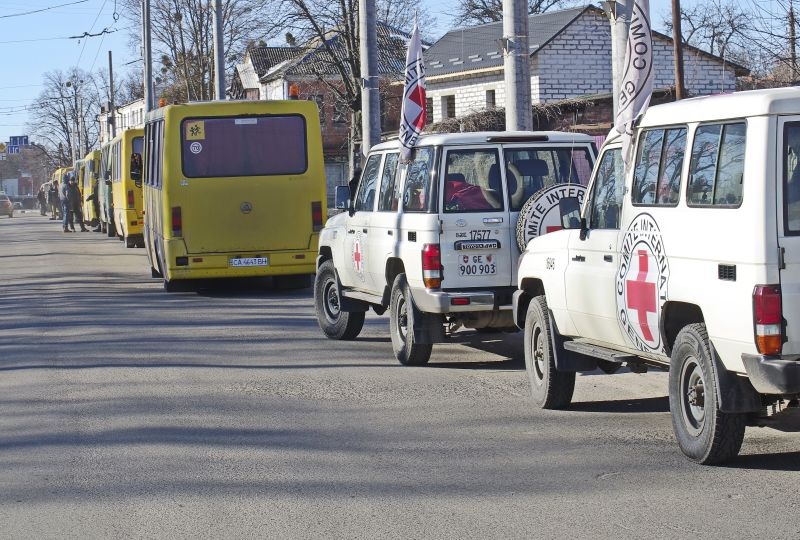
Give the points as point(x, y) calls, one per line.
point(87, 179)
point(233, 189)
point(123, 167)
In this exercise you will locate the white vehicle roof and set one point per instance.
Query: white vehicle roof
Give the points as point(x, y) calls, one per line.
point(481, 137)
point(724, 106)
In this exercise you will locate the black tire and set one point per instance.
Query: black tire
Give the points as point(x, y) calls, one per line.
point(402, 314)
point(335, 323)
point(129, 242)
point(550, 388)
point(704, 433)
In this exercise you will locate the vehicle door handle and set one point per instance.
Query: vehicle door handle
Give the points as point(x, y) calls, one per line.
point(608, 258)
point(390, 233)
point(364, 231)
point(579, 258)
point(351, 231)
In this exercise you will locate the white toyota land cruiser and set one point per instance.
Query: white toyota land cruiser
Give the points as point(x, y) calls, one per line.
point(434, 240)
point(691, 263)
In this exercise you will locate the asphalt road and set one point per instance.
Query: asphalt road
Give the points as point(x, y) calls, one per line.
point(129, 412)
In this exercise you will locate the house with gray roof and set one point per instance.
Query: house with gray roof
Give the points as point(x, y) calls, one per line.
point(257, 61)
point(570, 57)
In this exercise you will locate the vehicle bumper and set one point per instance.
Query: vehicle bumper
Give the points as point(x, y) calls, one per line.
point(431, 301)
point(773, 374)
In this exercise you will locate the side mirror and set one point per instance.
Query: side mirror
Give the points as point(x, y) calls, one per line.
point(342, 197)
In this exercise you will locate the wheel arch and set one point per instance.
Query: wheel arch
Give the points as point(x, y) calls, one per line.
point(529, 288)
point(674, 317)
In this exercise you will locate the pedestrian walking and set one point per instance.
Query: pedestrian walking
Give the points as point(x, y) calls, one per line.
point(74, 205)
point(42, 198)
point(53, 200)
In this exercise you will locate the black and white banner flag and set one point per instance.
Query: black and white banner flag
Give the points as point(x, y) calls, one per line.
point(413, 114)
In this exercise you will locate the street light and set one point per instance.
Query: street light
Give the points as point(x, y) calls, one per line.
point(75, 141)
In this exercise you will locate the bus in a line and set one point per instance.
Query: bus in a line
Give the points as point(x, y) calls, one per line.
point(123, 168)
point(232, 190)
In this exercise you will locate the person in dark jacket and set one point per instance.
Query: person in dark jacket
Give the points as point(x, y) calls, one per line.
point(42, 198)
point(53, 201)
point(74, 204)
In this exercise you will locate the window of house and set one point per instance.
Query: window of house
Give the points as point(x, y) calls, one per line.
point(657, 176)
point(449, 106)
point(319, 99)
point(340, 112)
point(490, 103)
point(717, 166)
point(429, 111)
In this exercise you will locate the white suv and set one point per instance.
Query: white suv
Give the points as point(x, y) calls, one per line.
point(690, 262)
point(434, 240)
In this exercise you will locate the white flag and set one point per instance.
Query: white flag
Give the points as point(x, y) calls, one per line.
point(636, 87)
point(413, 113)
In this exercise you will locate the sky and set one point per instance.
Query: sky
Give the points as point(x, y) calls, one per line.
point(38, 36)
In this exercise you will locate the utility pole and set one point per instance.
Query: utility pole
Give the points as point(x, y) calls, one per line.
point(148, 56)
point(619, 13)
point(677, 47)
point(792, 42)
point(112, 122)
point(219, 54)
point(370, 98)
point(516, 64)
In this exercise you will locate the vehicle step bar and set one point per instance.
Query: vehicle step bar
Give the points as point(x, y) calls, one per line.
point(602, 353)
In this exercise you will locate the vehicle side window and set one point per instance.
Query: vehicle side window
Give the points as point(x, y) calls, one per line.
point(716, 170)
point(607, 191)
point(365, 199)
point(389, 197)
point(418, 194)
point(473, 181)
point(791, 178)
point(657, 177)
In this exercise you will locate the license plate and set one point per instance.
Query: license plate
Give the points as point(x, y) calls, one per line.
point(249, 261)
point(477, 265)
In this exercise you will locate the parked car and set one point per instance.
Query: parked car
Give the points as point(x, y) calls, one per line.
point(6, 206)
point(689, 261)
point(434, 240)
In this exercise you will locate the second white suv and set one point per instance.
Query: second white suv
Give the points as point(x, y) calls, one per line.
point(434, 240)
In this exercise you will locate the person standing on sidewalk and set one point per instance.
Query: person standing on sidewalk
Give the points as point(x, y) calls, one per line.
point(42, 198)
point(74, 205)
point(52, 199)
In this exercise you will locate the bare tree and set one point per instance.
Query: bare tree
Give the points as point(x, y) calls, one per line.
point(182, 39)
point(65, 112)
point(471, 12)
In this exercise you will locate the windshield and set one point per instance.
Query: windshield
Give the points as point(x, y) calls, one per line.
point(244, 146)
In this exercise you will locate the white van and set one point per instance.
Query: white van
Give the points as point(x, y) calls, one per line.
point(690, 262)
point(435, 240)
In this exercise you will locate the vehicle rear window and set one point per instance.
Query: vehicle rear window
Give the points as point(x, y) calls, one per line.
point(529, 170)
point(791, 178)
point(472, 181)
point(244, 146)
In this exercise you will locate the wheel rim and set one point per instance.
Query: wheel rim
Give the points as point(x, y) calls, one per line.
point(693, 396)
point(332, 306)
point(402, 318)
point(538, 353)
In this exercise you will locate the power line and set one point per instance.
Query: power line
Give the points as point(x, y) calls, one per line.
point(40, 10)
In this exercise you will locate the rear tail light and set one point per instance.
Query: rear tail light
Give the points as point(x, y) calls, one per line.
point(432, 266)
point(177, 222)
point(768, 319)
point(130, 198)
point(316, 215)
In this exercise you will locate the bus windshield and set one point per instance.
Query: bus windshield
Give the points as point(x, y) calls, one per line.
point(243, 146)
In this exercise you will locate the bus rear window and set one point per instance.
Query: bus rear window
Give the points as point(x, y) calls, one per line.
point(243, 146)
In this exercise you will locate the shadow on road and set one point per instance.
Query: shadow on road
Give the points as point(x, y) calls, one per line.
point(643, 405)
point(785, 461)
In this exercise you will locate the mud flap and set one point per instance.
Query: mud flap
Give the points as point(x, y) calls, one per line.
point(428, 327)
point(735, 393)
point(569, 361)
point(351, 305)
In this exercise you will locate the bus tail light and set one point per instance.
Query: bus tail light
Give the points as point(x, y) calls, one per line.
point(130, 198)
point(316, 215)
point(177, 222)
point(431, 266)
point(768, 319)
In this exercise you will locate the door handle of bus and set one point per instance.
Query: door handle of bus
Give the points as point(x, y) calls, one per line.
point(579, 258)
point(364, 230)
point(608, 258)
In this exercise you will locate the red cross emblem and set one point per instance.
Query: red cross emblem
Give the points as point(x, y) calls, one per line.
point(642, 295)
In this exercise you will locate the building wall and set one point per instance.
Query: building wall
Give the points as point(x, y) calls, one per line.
point(578, 63)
